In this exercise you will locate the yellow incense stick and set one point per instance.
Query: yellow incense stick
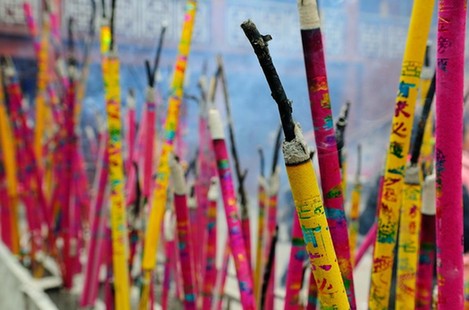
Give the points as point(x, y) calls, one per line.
point(311, 213)
point(9, 157)
point(391, 198)
point(42, 80)
point(409, 230)
point(110, 67)
point(160, 194)
point(262, 199)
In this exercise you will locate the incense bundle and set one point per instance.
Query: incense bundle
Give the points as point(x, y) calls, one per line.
point(236, 238)
point(304, 185)
point(448, 152)
point(331, 181)
point(391, 198)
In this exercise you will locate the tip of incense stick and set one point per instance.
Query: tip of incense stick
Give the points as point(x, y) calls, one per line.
point(169, 225)
point(177, 175)
point(215, 125)
point(274, 182)
point(309, 15)
point(150, 95)
point(213, 192)
point(131, 99)
point(191, 199)
point(412, 174)
point(428, 195)
point(89, 132)
point(296, 151)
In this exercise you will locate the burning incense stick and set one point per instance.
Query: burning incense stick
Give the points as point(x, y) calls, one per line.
point(331, 181)
point(159, 197)
point(304, 185)
point(448, 150)
point(390, 202)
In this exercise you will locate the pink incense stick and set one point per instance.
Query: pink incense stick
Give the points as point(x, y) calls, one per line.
point(425, 270)
point(184, 235)
point(26, 162)
point(210, 270)
point(32, 26)
point(236, 240)
point(108, 286)
point(138, 155)
point(98, 220)
point(448, 152)
point(367, 242)
point(5, 208)
point(331, 181)
point(221, 279)
point(149, 140)
point(298, 255)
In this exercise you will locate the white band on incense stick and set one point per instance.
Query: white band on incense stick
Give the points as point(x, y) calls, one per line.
point(179, 184)
point(412, 174)
point(309, 15)
point(215, 124)
point(274, 183)
point(149, 96)
point(169, 225)
point(262, 182)
point(213, 190)
point(131, 101)
point(295, 151)
point(428, 195)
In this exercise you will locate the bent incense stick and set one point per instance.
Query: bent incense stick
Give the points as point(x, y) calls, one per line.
point(355, 208)
point(409, 227)
point(390, 202)
point(304, 185)
point(184, 234)
point(331, 181)
point(236, 239)
point(448, 150)
point(426, 267)
point(160, 193)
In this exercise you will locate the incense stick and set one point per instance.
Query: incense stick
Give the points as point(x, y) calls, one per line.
point(391, 198)
point(448, 150)
point(329, 166)
point(159, 196)
point(236, 239)
point(303, 183)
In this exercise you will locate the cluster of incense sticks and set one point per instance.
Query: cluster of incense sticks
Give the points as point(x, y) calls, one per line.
point(146, 205)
